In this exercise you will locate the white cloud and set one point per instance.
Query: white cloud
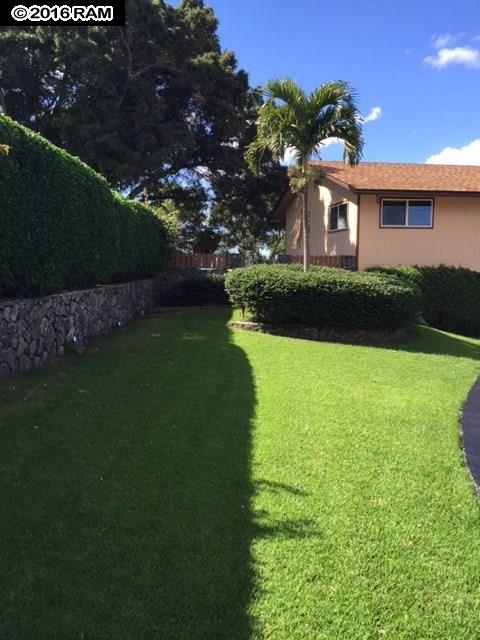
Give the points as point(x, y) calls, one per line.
point(374, 114)
point(445, 57)
point(468, 154)
point(329, 141)
point(289, 157)
point(442, 41)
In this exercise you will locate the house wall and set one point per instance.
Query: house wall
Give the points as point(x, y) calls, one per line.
point(322, 242)
point(454, 239)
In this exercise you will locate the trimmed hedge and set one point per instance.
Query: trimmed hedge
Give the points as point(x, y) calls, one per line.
point(62, 227)
point(450, 295)
point(322, 297)
point(193, 290)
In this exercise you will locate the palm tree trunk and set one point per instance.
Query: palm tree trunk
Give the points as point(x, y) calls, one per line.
point(306, 229)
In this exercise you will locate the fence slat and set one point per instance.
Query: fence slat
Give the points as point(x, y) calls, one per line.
point(221, 261)
point(198, 261)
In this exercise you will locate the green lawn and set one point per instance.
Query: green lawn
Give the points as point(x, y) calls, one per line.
point(183, 481)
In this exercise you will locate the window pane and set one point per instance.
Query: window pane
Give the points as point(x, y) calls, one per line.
point(394, 213)
point(333, 218)
point(342, 216)
point(419, 213)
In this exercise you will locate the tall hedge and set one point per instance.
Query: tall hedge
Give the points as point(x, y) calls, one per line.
point(450, 295)
point(322, 297)
point(62, 227)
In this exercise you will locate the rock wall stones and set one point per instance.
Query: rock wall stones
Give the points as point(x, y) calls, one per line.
point(355, 336)
point(34, 331)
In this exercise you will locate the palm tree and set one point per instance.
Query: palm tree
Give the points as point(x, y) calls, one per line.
point(290, 120)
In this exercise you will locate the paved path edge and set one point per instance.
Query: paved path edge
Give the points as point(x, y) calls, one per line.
point(471, 432)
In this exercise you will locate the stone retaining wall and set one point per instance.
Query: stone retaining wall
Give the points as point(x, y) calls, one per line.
point(356, 336)
point(34, 331)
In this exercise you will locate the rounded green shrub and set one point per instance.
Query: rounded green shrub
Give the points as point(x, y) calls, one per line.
point(450, 296)
point(62, 227)
point(452, 299)
point(322, 297)
point(410, 275)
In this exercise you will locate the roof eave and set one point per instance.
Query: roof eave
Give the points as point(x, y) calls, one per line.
point(419, 192)
point(341, 183)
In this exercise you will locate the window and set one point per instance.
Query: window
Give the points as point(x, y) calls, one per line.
point(406, 213)
point(337, 218)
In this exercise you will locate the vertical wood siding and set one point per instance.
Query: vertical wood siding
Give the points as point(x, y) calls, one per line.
point(454, 239)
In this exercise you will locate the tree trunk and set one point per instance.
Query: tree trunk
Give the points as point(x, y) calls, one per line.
point(3, 102)
point(306, 229)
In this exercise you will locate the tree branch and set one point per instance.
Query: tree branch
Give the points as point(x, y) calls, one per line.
point(3, 102)
point(136, 191)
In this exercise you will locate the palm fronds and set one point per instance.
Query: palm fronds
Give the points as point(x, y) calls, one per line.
point(290, 119)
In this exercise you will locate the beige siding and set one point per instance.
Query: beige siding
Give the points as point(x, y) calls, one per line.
point(323, 243)
point(454, 239)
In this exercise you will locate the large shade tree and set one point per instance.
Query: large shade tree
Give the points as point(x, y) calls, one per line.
point(292, 121)
point(158, 107)
point(153, 106)
point(243, 200)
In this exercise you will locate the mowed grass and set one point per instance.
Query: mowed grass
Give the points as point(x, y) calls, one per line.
point(181, 480)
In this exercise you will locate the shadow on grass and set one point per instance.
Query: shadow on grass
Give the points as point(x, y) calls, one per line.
point(125, 489)
point(279, 487)
point(420, 339)
point(423, 339)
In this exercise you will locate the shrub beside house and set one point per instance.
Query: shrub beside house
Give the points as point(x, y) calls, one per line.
point(323, 298)
point(450, 297)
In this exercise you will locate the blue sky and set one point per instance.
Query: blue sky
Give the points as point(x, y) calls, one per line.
point(417, 61)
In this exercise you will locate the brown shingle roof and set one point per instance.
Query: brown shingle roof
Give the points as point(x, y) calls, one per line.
point(385, 176)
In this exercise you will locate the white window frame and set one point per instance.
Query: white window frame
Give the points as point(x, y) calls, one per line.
point(335, 206)
point(406, 225)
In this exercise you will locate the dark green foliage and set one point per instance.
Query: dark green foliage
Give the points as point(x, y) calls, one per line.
point(195, 289)
point(411, 275)
point(143, 105)
point(157, 107)
point(451, 295)
point(147, 106)
point(452, 299)
point(322, 297)
point(61, 227)
point(244, 200)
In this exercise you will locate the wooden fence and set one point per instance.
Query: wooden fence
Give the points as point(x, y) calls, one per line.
point(318, 261)
point(198, 261)
point(223, 261)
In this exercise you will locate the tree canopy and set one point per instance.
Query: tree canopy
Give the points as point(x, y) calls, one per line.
point(157, 107)
point(141, 104)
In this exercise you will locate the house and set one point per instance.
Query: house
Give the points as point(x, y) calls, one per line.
point(385, 213)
